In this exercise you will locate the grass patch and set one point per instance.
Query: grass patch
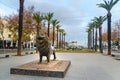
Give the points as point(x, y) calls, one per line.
point(117, 58)
point(76, 51)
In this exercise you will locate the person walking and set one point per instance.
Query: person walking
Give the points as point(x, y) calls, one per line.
point(53, 51)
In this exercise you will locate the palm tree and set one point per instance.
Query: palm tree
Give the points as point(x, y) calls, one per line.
point(48, 17)
point(100, 21)
point(89, 38)
point(96, 27)
point(64, 34)
point(60, 38)
point(20, 26)
point(58, 27)
point(54, 23)
point(96, 36)
point(107, 5)
point(93, 37)
point(92, 25)
point(38, 18)
point(89, 30)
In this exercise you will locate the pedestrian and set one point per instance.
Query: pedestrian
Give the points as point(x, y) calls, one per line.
point(53, 51)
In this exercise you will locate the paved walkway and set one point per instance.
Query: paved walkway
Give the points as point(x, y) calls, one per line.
point(83, 67)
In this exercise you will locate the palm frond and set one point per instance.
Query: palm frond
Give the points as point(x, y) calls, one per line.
point(111, 2)
point(37, 17)
point(58, 26)
point(55, 22)
point(114, 2)
point(102, 5)
point(49, 16)
point(104, 18)
point(108, 4)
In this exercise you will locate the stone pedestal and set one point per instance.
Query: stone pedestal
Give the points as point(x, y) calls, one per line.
point(57, 68)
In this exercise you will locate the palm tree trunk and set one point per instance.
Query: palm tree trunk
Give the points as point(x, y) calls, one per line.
point(57, 39)
point(37, 29)
point(96, 40)
point(37, 35)
point(64, 41)
point(100, 40)
point(53, 35)
point(109, 32)
point(20, 27)
point(88, 40)
point(60, 40)
point(48, 28)
point(93, 38)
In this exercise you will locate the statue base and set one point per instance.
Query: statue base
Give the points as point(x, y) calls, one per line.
point(55, 68)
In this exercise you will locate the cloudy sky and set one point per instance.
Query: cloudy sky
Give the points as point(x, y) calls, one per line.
point(74, 15)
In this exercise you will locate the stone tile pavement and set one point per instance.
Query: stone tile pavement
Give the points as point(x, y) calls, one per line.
point(83, 67)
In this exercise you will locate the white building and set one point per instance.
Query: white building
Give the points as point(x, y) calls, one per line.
point(5, 37)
